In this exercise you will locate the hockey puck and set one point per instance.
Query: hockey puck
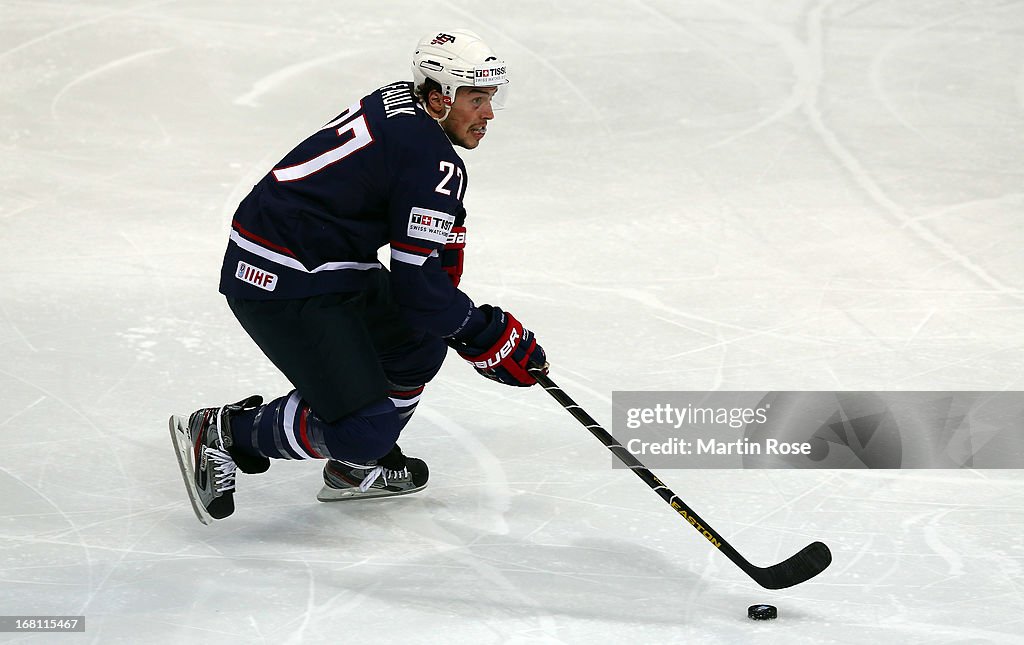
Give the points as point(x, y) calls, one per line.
point(762, 612)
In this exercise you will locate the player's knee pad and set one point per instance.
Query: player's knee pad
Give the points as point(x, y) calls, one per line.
point(415, 362)
point(368, 433)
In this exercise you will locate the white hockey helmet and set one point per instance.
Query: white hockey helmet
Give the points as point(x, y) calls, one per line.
point(459, 58)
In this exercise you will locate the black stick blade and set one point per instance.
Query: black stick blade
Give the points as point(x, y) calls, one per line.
point(801, 566)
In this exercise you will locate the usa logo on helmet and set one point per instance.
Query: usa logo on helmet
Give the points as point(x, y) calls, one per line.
point(441, 39)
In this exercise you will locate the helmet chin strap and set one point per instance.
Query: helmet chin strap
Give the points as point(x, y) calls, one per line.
point(447, 104)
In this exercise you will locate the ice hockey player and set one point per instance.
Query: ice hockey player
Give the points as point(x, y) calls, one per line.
point(357, 341)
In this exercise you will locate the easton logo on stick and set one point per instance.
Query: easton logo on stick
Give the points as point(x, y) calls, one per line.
point(697, 525)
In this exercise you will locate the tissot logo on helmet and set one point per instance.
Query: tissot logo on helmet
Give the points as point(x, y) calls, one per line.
point(487, 73)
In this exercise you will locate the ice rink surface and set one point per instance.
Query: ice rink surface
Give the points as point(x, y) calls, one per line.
point(681, 196)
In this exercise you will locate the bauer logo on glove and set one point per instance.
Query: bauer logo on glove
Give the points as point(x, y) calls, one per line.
point(503, 349)
point(502, 353)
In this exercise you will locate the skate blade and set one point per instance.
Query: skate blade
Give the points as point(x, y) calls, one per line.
point(328, 494)
point(183, 451)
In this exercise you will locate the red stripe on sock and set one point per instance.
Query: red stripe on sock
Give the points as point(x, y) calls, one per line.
point(304, 437)
point(406, 394)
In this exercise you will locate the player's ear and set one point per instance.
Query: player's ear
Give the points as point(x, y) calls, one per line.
point(435, 103)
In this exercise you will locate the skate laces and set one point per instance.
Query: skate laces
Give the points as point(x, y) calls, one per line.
point(372, 477)
point(224, 470)
point(377, 472)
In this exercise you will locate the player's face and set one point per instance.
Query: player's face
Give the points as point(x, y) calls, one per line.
point(467, 121)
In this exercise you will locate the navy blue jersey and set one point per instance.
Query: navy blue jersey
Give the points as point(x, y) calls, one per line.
point(382, 172)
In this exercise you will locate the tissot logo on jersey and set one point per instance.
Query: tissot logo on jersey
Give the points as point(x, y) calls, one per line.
point(426, 224)
point(256, 277)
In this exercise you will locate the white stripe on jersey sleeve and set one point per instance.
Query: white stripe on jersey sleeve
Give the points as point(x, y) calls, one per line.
point(411, 258)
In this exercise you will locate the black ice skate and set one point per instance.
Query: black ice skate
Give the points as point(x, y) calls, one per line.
point(207, 465)
point(393, 474)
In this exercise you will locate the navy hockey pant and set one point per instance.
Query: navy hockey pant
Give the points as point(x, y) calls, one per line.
point(357, 368)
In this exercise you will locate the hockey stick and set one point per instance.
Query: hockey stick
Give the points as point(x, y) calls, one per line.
point(801, 566)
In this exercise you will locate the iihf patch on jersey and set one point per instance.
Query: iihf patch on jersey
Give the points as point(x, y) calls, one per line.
point(256, 277)
point(426, 224)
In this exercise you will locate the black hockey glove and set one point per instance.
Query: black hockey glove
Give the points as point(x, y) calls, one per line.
point(502, 350)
